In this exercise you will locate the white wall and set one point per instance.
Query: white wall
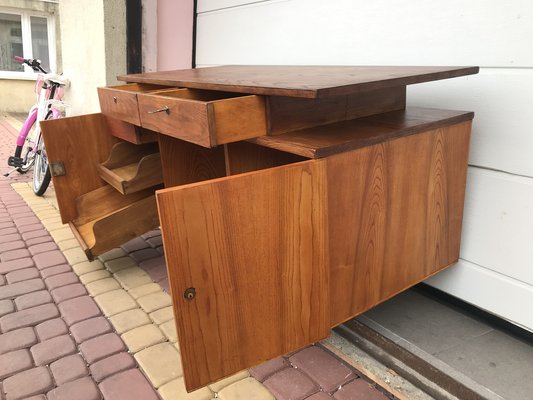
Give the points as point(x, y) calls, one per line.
point(94, 49)
point(496, 271)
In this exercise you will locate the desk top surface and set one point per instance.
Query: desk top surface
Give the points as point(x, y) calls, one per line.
point(298, 81)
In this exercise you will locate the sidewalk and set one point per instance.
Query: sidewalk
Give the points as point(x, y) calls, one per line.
point(74, 329)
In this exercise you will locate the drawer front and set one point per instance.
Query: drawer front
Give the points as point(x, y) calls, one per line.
point(119, 103)
point(247, 263)
point(185, 115)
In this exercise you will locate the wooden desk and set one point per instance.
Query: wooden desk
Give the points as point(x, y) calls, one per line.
point(294, 198)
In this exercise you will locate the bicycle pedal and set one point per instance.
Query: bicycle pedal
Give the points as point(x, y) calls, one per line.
point(16, 162)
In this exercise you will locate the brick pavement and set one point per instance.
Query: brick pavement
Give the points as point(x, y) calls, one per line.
point(74, 329)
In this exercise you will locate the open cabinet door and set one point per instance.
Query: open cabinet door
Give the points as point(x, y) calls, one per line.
point(248, 267)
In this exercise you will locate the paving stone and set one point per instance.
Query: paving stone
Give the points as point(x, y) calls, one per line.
point(22, 275)
point(169, 329)
point(127, 320)
point(164, 285)
point(33, 299)
point(75, 255)
point(112, 254)
point(144, 254)
point(90, 328)
point(115, 302)
point(176, 390)
point(49, 259)
point(18, 339)
point(15, 265)
point(6, 307)
point(28, 383)
point(359, 390)
point(56, 281)
point(101, 347)
point(154, 301)
point(68, 292)
point(290, 383)
point(128, 385)
point(322, 367)
point(39, 240)
point(131, 278)
point(68, 368)
point(17, 244)
point(118, 264)
point(9, 230)
point(6, 225)
point(19, 288)
point(66, 244)
point(143, 337)
point(14, 255)
point(161, 363)
point(14, 361)
point(320, 396)
point(30, 317)
point(221, 384)
point(102, 286)
point(112, 365)
point(11, 237)
point(143, 290)
point(134, 245)
point(37, 397)
point(58, 269)
point(2, 280)
point(155, 267)
point(265, 370)
point(27, 221)
point(53, 349)
point(51, 328)
point(78, 309)
point(29, 228)
point(42, 248)
point(61, 234)
point(155, 241)
point(246, 389)
point(80, 389)
point(87, 266)
point(152, 233)
point(34, 234)
point(94, 276)
point(162, 315)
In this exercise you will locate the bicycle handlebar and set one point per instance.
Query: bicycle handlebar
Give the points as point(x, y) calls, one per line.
point(34, 64)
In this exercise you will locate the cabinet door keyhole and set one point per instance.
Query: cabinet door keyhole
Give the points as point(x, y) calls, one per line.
point(189, 293)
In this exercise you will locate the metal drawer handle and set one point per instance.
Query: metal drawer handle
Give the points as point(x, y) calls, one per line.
point(165, 109)
point(115, 99)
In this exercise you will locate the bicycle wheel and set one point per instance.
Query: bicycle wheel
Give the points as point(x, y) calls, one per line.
point(41, 172)
point(26, 152)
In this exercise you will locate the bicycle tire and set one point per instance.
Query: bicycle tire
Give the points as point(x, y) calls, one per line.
point(41, 171)
point(18, 152)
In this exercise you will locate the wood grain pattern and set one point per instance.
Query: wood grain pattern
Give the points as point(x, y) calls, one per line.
point(80, 143)
point(395, 212)
point(288, 114)
point(120, 101)
point(129, 132)
point(203, 117)
point(298, 81)
point(185, 162)
point(343, 136)
point(254, 248)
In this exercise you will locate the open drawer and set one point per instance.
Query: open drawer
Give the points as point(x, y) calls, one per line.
point(207, 118)
point(100, 216)
point(120, 101)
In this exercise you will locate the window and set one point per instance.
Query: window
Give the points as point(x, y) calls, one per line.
point(26, 34)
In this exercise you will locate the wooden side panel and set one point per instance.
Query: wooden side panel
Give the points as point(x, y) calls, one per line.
point(184, 162)
point(288, 114)
point(395, 212)
point(80, 143)
point(254, 248)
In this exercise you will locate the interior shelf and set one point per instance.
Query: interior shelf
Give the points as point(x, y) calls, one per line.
point(131, 167)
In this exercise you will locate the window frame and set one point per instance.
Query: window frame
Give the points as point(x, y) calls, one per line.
point(25, 20)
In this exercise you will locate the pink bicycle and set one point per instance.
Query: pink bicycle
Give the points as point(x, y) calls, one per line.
point(30, 151)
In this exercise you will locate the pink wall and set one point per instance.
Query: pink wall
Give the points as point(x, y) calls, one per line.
point(174, 34)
